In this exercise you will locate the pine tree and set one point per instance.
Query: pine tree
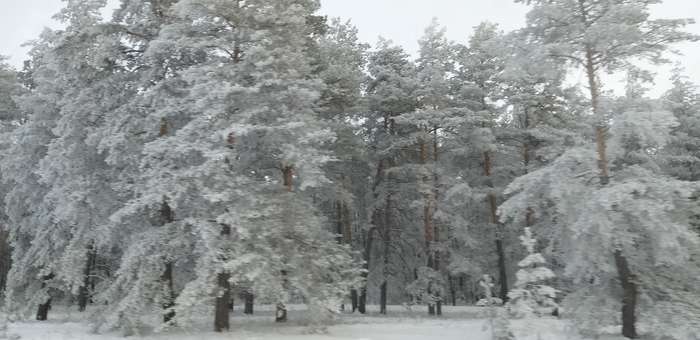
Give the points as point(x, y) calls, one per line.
point(478, 89)
point(683, 100)
point(10, 118)
point(144, 271)
point(532, 295)
point(392, 83)
point(80, 194)
point(66, 70)
point(235, 156)
point(604, 36)
point(341, 62)
point(640, 211)
point(31, 258)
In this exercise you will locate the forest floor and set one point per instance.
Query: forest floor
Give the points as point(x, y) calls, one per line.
point(463, 323)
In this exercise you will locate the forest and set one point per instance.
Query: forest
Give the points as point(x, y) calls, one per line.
point(165, 166)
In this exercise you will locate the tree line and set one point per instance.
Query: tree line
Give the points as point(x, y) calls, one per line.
point(185, 154)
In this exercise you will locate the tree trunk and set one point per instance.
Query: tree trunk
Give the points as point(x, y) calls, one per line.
point(601, 124)
point(362, 299)
point(167, 279)
point(629, 286)
point(5, 258)
point(222, 307)
point(436, 230)
point(221, 315)
point(429, 230)
point(427, 220)
point(386, 238)
point(502, 270)
point(353, 299)
point(629, 295)
point(84, 292)
point(249, 302)
point(493, 219)
point(287, 182)
point(382, 297)
point(42, 313)
point(453, 290)
point(167, 216)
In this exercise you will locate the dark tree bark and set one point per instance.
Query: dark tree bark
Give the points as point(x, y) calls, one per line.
point(626, 277)
point(362, 298)
point(167, 278)
point(436, 230)
point(167, 216)
point(354, 299)
point(502, 273)
point(493, 219)
point(288, 182)
point(386, 240)
point(5, 257)
point(222, 312)
point(223, 300)
point(382, 297)
point(367, 254)
point(249, 302)
point(84, 292)
point(42, 313)
point(629, 296)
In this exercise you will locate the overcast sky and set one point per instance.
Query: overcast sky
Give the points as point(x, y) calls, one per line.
point(402, 21)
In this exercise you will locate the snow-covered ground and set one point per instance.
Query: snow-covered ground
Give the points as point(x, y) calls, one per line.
point(463, 323)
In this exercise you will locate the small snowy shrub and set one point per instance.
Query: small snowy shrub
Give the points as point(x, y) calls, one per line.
point(531, 295)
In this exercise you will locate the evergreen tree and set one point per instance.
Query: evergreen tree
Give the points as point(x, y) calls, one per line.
point(605, 36)
point(65, 71)
point(683, 100)
point(391, 93)
point(478, 89)
point(532, 295)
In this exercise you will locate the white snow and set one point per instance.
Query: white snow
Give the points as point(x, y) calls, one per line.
point(458, 323)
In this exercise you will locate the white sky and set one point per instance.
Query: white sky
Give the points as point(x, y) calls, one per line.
point(402, 21)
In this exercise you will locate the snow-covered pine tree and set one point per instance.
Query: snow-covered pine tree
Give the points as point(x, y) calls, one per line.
point(283, 146)
point(683, 100)
point(477, 89)
point(65, 72)
point(10, 87)
point(431, 128)
point(532, 295)
point(146, 230)
point(28, 283)
point(391, 86)
point(605, 36)
point(10, 118)
point(237, 149)
point(543, 119)
point(80, 181)
point(640, 211)
point(341, 62)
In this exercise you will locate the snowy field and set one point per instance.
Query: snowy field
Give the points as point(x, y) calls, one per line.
point(463, 323)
